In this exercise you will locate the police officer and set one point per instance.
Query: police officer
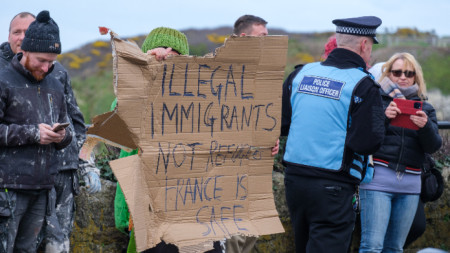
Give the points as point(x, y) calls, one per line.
point(333, 117)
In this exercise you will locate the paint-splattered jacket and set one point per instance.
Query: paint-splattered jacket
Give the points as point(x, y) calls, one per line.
point(24, 104)
point(6, 55)
point(69, 155)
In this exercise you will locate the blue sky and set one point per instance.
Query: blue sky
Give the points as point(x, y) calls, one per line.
point(79, 20)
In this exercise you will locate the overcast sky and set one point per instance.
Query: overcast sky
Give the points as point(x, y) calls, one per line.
point(79, 20)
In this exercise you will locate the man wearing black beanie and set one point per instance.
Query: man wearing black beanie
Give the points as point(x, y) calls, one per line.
point(58, 224)
point(31, 106)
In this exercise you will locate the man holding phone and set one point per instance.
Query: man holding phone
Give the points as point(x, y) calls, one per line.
point(32, 104)
point(60, 127)
point(59, 222)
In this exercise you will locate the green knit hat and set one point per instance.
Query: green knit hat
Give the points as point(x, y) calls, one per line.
point(166, 37)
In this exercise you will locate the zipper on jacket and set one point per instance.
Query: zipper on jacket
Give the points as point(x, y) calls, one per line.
point(400, 155)
point(50, 103)
point(41, 148)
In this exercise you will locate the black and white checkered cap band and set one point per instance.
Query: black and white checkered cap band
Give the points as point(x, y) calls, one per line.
point(356, 30)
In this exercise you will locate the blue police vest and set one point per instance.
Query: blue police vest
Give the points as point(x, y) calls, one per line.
point(320, 100)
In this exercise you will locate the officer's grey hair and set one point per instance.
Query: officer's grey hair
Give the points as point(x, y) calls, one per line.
point(347, 40)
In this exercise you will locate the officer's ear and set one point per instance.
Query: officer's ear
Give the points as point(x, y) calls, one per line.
point(365, 44)
point(362, 45)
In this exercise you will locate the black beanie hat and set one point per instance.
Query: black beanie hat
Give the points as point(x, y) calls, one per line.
point(42, 35)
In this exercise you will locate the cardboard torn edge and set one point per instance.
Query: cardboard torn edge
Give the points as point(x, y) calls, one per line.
point(110, 128)
point(198, 248)
point(92, 141)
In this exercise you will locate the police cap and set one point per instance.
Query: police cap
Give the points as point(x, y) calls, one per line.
point(360, 26)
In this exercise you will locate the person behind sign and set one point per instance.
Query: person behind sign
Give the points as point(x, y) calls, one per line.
point(329, 46)
point(333, 116)
point(249, 25)
point(32, 104)
point(390, 200)
point(161, 42)
point(246, 25)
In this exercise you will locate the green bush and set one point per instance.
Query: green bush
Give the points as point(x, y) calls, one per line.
point(94, 94)
point(198, 49)
point(435, 70)
point(103, 155)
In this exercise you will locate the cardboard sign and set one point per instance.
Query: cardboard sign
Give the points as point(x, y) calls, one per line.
point(204, 127)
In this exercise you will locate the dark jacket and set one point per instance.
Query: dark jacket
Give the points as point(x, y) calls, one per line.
point(367, 127)
point(406, 147)
point(24, 104)
point(69, 155)
point(6, 55)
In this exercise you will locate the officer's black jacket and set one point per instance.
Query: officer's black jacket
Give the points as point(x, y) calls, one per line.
point(367, 129)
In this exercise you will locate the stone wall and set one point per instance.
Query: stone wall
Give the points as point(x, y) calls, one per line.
point(435, 236)
point(94, 229)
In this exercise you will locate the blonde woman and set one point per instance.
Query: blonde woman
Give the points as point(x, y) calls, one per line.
point(389, 201)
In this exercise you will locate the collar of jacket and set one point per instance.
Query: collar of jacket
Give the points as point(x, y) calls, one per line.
point(385, 95)
point(23, 71)
point(6, 51)
point(345, 59)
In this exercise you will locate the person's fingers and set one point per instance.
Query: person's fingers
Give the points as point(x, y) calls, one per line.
point(152, 51)
point(58, 136)
point(419, 121)
point(421, 114)
point(45, 126)
point(274, 151)
point(47, 135)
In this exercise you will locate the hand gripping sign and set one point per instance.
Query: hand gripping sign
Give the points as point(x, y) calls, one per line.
point(204, 127)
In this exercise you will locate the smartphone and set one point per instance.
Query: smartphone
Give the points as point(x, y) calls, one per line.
point(408, 108)
point(60, 127)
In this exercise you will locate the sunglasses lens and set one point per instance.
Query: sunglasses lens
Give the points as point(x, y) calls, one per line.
point(396, 73)
point(409, 74)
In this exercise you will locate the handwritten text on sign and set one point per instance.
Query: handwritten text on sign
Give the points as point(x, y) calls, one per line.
point(204, 126)
point(219, 104)
point(223, 102)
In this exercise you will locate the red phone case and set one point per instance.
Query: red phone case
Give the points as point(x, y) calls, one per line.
point(407, 107)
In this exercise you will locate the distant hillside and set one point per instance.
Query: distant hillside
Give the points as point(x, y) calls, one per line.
point(93, 57)
point(90, 66)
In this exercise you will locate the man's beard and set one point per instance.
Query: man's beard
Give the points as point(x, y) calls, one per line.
point(34, 71)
